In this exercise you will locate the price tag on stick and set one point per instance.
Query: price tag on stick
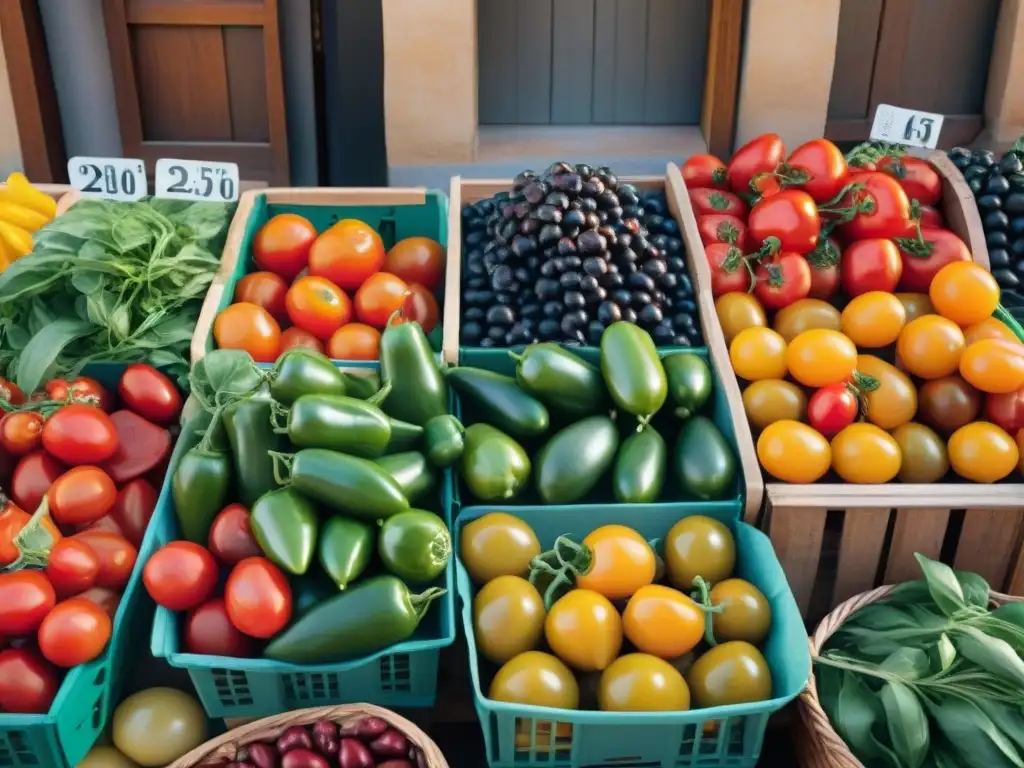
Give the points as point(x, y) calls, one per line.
point(113, 178)
point(910, 127)
point(196, 180)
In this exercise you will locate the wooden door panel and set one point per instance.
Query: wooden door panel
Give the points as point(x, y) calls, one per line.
point(247, 84)
point(850, 96)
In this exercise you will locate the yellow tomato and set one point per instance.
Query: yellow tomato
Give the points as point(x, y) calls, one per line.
point(508, 618)
point(925, 459)
point(820, 357)
point(770, 400)
point(538, 679)
point(745, 612)
point(964, 292)
point(696, 546)
point(584, 630)
point(663, 621)
point(737, 312)
point(864, 453)
point(916, 305)
point(498, 544)
point(805, 315)
point(793, 452)
point(894, 402)
point(730, 673)
point(989, 328)
point(639, 682)
point(930, 347)
point(994, 366)
point(982, 452)
point(621, 562)
point(873, 319)
point(758, 353)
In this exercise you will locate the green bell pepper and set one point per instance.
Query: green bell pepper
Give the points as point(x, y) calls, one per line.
point(345, 549)
point(251, 435)
point(285, 526)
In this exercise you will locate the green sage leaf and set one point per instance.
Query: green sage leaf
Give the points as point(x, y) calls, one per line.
point(973, 734)
point(946, 652)
point(858, 712)
point(974, 587)
point(990, 653)
point(907, 663)
point(906, 722)
point(44, 348)
point(943, 585)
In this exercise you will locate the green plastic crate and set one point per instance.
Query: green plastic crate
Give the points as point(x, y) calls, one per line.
point(560, 738)
point(90, 691)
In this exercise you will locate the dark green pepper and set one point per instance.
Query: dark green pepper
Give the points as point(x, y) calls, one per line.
point(501, 401)
point(418, 391)
point(411, 471)
point(569, 386)
point(632, 371)
point(404, 436)
point(339, 423)
point(704, 460)
point(494, 466)
point(443, 438)
point(284, 524)
point(689, 382)
point(369, 617)
point(640, 467)
point(345, 548)
point(415, 545)
point(251, 435)
point(302, 371)
point(572, 462)
point(200, 487)
point(362, 385)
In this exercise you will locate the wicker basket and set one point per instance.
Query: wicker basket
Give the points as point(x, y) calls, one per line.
point(817, 743)
point(224, 749)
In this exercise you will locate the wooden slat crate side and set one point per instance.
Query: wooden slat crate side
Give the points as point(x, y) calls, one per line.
point(916, 530)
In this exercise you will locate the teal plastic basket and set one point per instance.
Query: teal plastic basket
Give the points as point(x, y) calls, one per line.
point(404, 675)
point(90, 691)
point(428, 218)
point(519, 736)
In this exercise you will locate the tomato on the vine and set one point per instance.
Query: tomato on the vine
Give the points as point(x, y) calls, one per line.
point(789, 217)
point(11, 392)
point(822, 167)
point(264, 289)
point(917, 177)
point(924, 256)
point(826, 275)
point(282, 245)
point(81, 389)
point(180, 575)
point(722, 228)
point(21, 432)
point(74, 632)
point(728, 272)
point(622, 562)
point(710, 201)
point(1006, 410)
point(929, 216)
point(705, 171)
point(782, 279)
point(871, 265)
point(832, 408)
point(761, 155)
point(28, 683)
point(879, 208)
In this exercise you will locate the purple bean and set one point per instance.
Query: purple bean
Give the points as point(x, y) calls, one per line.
point(390, 744)
point(352, 753)
point(365, 728)
point(296, 737)
point(262, 755)
point(395, 764)
point(325, 737)
point(304, 758)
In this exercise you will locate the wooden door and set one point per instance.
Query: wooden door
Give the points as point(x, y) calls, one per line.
point(200, 79)
point(920, 54)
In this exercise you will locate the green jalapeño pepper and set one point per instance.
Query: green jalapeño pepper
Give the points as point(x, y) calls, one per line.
point(362, 385)
point(370, 616)
point(200, 488)
point(251, 435)
point(418, 391)
point(356, 427)
point(345, 549)
point(411, 471)
point(304, 372)
point(444, 442)
point(284, 524)
point(404, 436)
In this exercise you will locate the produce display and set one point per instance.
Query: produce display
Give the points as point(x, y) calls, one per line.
point(80, 473)
point(861, 328)
point(23, 210)
point(563, 430)
point(333, 291)
point(569, 252)
point(611, 624)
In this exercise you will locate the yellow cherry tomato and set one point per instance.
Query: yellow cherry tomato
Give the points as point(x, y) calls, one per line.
point(989, 328)
point(538, 679)
point(805, 315)
point(930, 347)
point(497, 544)
point(730, 673)
point(925, 459)
point(964, 292)
point(508, 618)
point(758, 353)
point(663, 622)
point(982, 452)
point(584, 630)
point(995, 366)
point(864, 453)
point(639, 682)
point(156, 726)
point(621, 561)
point(819, 357)
point(744, 612)
point(916, 305)
point(894, 401)
point(770, 400)
point(737, 312)
point(793, 452)
point(873, 319)
point(698, 546)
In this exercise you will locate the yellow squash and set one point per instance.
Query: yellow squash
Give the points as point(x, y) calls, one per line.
point(16, 240)
point(21, 192)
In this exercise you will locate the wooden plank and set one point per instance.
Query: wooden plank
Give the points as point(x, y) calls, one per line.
point(603, 110)
point(255, 161)
point(122, 64)
point(676, 59)
point(630, 65)
point(895, 28)
point(989, 543)
point(860, 550)
point(859, 22)
point(247, 84)
point(572, 62)
point(497, 69)
point(916, 530)
point(234, 13)
point(722, 75)
point(533, 61)
point(797, 535)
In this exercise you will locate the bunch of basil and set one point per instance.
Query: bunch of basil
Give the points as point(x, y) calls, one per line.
point(106, 281)
point(929, 676)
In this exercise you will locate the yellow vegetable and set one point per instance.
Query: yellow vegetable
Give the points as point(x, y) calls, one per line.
point(25, 194)
point(16, 239)
point(20, 216)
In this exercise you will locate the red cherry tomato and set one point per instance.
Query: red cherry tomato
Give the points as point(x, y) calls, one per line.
point(150, 394)
point(258, 598)
point(823, 166)
point(11, 392)
point(231, 538)
point(923, 257)
point(880, 208)
point(831, 409)
point(80, 434)
point(26, 597)
point(297, 337)
point(790, 217)
point(83, 389)
point(420, 306)
point(417, 260)
point(728, 272)
point(1007, 411)
point(264, 289)
point(180, 575)
point(762, 155)
point(781, 280)
point(209, 632)
point(28, 683)
point(282, 245)
point(722, 228)
point(105, 523)
point(133, 508)
point(32, 478)
point(824, 262)
point(73, 567)
point(929, 216)
point(74, 632)
point(116, 554)
point(705, 171)
point(710, 201)
point(919, 180)
point(81, 495)
point(871, 265)
point(107, 599)
point(21, 432)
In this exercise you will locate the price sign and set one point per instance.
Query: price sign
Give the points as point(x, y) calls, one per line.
point(910, 127)
point(196, 180)
point(113, 178)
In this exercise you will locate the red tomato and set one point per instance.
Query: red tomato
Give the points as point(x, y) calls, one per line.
point(21, 432)
point(11, 392)
point(417, 260)
point(116, 554)
point(378, 298)
point(880, 208)
point(355, 341)
point(80, 434)
point(923, 257)
point(258, 598)
point(28, 683)
point(824, 261)
point(107, 599)
point(73, 568)
point(722, 228)
point(831, 409)
point(728, 272)
point(32, 478)
point(249, 328)
point(823, 166)
point(150, 394)
point(420, 306)
point(83, 389)
point(297, 337)
point(871, 265)
point(26, 597)
point(1006, 410)
point(709, 201)
point(705, 171)
point(209, 632)
point(919, 180)
point(766, 185)
point(317, 305)
point(264, 289)
point(791, 217)
point(929, 216)
point(81, 495)
point(781, 280)
point(74, 632)
point(282, 245)
point(231, 539)
point(105, 523)
point(347, 254)
point(13, 520)
point(180, 575)
point(133, 508)
point(761, 155)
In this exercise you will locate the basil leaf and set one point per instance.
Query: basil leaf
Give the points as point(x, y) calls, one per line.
point(943, 585)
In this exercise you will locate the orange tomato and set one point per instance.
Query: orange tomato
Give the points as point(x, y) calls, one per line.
point(982, 452)
point(264, 289)
point(317, 305)
point(995, 366)
point(931, 346)
point(417, 260)
point(355, 341)
point(964, 292)
point(989, 328)
point(282, 245)
point(297, 337)
point(621, 562)
point(820, 357)
point(420, 306)
point(250, 328)
point(380, 297)
point(347, 254)
point(663, 621)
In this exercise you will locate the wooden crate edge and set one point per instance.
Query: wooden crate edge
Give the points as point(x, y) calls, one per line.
point(959, 207)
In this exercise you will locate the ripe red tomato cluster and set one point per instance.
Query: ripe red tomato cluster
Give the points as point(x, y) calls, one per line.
point(254, 604)
point(813, 224)
point(78, 485)
point(333, 292)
